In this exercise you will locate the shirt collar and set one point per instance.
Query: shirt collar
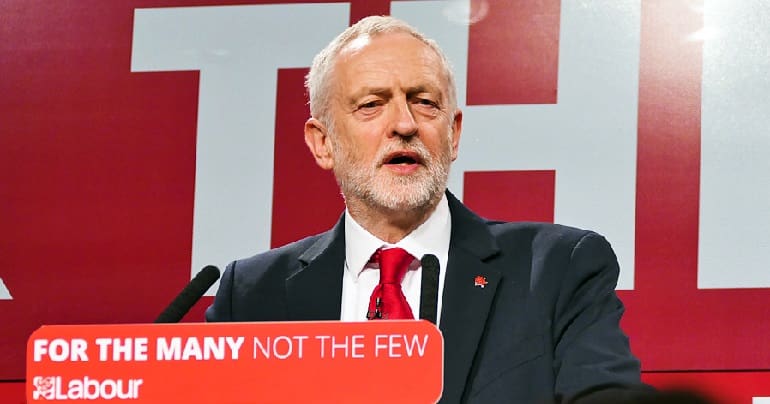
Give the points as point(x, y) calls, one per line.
point(431, 237)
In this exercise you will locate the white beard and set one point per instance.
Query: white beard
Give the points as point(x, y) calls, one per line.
point(378, 188)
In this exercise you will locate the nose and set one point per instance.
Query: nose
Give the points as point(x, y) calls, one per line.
point(404, 123)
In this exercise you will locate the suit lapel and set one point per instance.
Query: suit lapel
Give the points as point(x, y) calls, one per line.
point(466, 303)
point(314, 290)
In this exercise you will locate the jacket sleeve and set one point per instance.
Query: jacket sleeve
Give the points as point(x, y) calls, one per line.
point(222, 308)
point(592, 353)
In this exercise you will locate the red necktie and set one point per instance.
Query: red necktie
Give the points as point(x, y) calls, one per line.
point(388, 300)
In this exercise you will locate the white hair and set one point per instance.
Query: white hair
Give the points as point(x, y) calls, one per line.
point(318, 80)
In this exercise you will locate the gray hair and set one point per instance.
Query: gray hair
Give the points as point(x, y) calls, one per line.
point(318, 80)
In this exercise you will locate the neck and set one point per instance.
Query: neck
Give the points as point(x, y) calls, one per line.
point(390, 225)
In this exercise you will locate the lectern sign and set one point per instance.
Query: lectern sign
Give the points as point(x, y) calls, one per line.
point(237, 363)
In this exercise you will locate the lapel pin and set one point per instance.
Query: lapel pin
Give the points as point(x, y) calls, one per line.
point(480, 281)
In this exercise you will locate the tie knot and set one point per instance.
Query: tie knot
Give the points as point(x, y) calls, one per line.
point(394, 262)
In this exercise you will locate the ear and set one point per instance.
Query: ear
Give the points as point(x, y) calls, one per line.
point(317, 140)
point(457, 128)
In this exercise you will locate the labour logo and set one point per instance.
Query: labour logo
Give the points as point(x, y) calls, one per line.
point(480, 281)
point(44, 387)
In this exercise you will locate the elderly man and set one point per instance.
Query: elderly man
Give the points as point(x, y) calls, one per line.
point(528, 311)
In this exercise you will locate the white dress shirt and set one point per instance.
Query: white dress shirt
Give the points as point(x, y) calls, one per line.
point(360, 277)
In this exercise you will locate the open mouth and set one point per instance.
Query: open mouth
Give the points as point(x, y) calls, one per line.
point(404, 158)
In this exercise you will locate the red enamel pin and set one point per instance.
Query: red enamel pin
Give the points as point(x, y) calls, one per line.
point(480, 281)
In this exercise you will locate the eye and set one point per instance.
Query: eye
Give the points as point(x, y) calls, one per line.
point(427, 102)
point(369, 108)
point(370, 104)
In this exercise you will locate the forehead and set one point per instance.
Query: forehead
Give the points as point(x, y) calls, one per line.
point(388, 59)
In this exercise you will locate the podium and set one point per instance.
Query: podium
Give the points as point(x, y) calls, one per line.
point(272, 362)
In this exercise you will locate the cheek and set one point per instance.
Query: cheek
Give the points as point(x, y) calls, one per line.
point(364, 142)
point(352, 151)
point(440, 140)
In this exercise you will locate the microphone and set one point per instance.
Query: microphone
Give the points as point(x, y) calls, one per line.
point(429, 288)
point(189, 295)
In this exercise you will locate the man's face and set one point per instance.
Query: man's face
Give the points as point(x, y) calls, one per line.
point(392, 138)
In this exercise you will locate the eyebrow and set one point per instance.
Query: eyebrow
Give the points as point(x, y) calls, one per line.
point(386, 92)
point(382, 91)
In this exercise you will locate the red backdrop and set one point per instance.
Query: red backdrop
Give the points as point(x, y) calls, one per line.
point(97, 166)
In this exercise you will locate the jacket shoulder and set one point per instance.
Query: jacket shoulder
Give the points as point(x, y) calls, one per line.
point(539, 234)
point(252, 288)
point(280, 258)
point(562, 247)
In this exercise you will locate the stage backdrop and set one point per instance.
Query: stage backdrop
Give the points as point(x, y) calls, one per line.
point(142, 140)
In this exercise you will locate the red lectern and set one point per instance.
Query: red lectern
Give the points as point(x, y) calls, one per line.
point(287, 362)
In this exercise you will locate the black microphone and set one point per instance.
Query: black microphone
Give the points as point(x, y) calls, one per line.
point(429, 288)
point(189, 295)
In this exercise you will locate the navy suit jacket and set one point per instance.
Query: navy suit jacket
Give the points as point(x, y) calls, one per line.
point(544, 329)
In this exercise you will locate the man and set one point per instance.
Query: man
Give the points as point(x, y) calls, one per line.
point(528, 311)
